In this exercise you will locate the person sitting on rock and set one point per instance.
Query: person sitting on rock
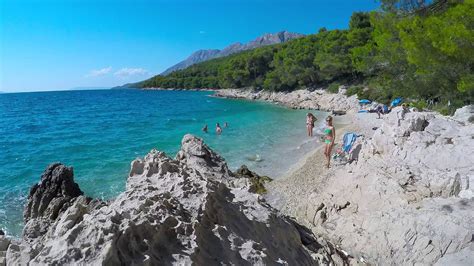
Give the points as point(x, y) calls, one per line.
point(401, 114)
point(404, 111)
point(381, 110)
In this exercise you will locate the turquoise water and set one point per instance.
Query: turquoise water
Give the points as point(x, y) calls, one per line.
point(100, 132)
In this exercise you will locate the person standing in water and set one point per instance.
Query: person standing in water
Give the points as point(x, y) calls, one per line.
point(204, 129)
point(330, 136)
point(218, 129)
point(310, 119)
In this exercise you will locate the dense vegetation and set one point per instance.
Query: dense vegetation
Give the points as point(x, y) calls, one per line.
point(415, 49)
point(310, 61)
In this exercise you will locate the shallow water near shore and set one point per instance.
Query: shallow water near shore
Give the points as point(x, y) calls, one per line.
point(100, 132)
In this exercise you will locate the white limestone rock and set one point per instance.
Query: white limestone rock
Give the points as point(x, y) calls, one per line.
point(298, 99)
point(407, 200)
point(465, 114)
point(181, 211)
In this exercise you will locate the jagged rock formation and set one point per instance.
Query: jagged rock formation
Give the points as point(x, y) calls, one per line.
point(51, 196)
point(408, 199)
point(204, 55)
point(187, 210)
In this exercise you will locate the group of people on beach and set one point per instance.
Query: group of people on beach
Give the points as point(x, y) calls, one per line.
point(329, 134)
point(218, 128)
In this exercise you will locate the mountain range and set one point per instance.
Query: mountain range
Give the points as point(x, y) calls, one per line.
point(204, 55)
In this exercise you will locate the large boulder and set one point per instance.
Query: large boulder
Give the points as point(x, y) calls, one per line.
point(194, 154)
point(174, 211)
point(49, 198)
point(465, 114)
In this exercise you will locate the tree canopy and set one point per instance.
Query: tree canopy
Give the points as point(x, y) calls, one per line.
point(422, 55)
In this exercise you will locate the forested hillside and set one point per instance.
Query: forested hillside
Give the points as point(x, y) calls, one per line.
point(415, 49)
point(305, 62)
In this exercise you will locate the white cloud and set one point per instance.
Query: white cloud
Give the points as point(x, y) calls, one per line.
point(128, 72)
point(99, 72)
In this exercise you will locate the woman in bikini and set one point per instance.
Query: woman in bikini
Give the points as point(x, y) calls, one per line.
point(329, 137)
point(310, 119)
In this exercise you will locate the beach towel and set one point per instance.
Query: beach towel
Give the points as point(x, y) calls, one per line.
point(348, 140)
point(364, 101)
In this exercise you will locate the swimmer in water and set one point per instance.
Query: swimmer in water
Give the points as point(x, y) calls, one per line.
point(218, 129)
point(204, 129)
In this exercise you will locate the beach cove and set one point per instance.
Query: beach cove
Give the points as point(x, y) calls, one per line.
point(407, 197)
point(144, 133)
point(100, 132)
point(410, 176)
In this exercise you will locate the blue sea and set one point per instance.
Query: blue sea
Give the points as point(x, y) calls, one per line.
point(99, 132)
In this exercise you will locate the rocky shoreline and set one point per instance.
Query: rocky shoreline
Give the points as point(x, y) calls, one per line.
point(407, 198)
point(338, 103)
point(175, 89)
point(187, 210)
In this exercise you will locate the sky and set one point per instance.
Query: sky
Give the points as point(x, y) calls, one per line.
point(64, 44)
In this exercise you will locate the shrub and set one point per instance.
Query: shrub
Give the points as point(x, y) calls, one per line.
point(352, 90)
point(420, 105)
point(444, 110)
point(333, 87)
